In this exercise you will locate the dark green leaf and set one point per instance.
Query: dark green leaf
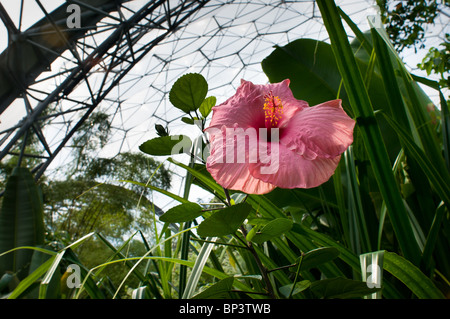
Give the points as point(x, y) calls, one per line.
point(160, 130)
point(317, 257)
point(167, 145)
point(188, 92)
point(313, 82)
point(411, 276)
point(187, 120)
point(440, 179)
point(21, 222)
point(182, 213)
point(299, 287)
point(207, 105)
point(341, 288)
point(6, 281)
point(220, 290)
point(225, 221)
point(273, 229)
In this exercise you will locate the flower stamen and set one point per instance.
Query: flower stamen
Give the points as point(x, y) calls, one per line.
point(273, 110)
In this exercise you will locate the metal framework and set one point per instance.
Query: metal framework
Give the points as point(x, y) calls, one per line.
point(98, 67)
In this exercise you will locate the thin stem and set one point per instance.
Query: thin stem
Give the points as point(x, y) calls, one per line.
point(282, 267)
point(227, 194)
point(212, 209)
point(261, 267)
point(252, 250)
point(296, 277)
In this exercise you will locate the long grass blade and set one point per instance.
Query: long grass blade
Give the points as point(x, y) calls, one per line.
point(49, 275)
point(185, 241)
point(438, 178)
point(360, 240)
point(118, 253)
point(30, 279)
point(417, 103)
point(433, 235)
point(445, 123)
point(370, 132)
point(411, 276)
point(197, 270)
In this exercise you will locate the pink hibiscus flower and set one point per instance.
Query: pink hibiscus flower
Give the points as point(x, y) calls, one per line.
point(262, 137)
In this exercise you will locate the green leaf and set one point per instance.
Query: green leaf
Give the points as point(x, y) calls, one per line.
point(440, 179)
point(220, 290)
point(52, 272)
point(188, 92)
point(199, 265)
point(273, 229)
point(411, 276)
point(341, 288)
point(316, 257)
point(160, 130)
point(21, 222)
point(187, 120)
point(31, 279)
point(182, 213)
point(299, 287)
point(207, 105)
point(313, 82)
point(225, 221)
point(140, 293)
point(89, 284)
point(167, 145)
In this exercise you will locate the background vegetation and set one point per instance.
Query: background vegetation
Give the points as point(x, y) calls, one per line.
point(387, 204)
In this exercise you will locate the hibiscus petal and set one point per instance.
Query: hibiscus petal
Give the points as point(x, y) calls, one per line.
point(246, 107)
point(287, 169)
point(232, 172)
point(324, 130)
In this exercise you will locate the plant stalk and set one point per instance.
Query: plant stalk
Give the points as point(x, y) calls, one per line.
point(262, 269)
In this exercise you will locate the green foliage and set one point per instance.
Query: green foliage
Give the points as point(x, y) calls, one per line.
point(406, 21)
point(225, 221)
point(220, 290)
point(272, 229)
point(341, 288)
point(101, 200)
point(182, 213)
point(438, 62)
point(389, 194)
point(317, 257)
point(207, 105)
point(166, 145)
point(21, 222)
point(411, 276)
point(292, 290)
point(94, 133)
point(161, 131)
point(188, 92)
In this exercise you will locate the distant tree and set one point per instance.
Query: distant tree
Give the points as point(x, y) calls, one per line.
point(406, 21)
point(100, 199)
point(437, 61)
point(92, 194)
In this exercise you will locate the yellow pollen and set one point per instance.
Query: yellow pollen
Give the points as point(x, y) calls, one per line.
point(272, 109)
